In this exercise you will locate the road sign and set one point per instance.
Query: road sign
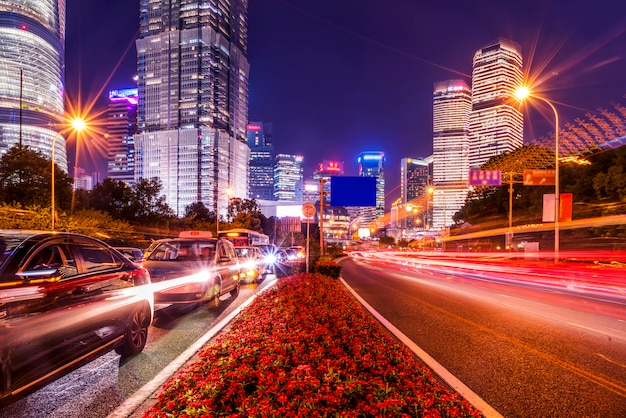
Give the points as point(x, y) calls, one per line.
point(308, 210)
point(539, 177)
point(485, 178)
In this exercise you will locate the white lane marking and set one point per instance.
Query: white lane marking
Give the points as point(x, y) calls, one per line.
point(479, 403)
point(603, 357)
point(131, 404)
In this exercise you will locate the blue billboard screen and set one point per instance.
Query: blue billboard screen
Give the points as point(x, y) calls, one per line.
point(352, 191)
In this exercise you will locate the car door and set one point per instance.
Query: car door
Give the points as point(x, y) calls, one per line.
point(72, 312)
point(33, 325)
point(227, 265)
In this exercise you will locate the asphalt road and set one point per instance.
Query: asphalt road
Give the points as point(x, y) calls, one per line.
point(101, 386)
point(527, 350)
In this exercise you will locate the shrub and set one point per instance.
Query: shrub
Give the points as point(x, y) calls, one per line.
point(328, 268)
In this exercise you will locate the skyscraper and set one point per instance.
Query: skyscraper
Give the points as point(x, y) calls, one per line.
point(496, 124)
point(121, 128)
point(32, 52)
point(288, 178)
point(193, 100)
point(372, 164)
point(261, 170)
point(452, 105)
point(415, 178)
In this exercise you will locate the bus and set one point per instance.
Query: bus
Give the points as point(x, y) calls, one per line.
point(245, 237)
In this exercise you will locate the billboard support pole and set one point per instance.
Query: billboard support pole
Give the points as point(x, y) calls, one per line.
point(321, 220)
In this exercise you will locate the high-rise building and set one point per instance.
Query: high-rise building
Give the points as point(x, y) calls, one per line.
point(261, 170)
point(323, 174)
point(121, 129)
point(82, 180)
point(32, 52)
point(415, 178)
point(372, 164)
point(452, 105)
point(496, 124)
point(193, 100)
point(288, 178)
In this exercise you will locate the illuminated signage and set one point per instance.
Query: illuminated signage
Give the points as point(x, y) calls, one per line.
point(485, 177)
point(124, 95)
point(253, 127)
point(376, 157)
point(539, 177)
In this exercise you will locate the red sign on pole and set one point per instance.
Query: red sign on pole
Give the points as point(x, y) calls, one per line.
point(565, 207)
point(539, 177)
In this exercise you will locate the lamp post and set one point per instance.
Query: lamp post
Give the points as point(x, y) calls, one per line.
point(521, 93)
point(78, 125)
point(229, 193)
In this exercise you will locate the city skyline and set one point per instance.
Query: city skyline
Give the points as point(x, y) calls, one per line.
point(347, 76)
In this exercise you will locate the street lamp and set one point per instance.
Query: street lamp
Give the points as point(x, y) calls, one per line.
point(77, 125)
point(229, 193)
point(521, 93)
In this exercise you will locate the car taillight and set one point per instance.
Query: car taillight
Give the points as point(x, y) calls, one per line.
point(140, 276)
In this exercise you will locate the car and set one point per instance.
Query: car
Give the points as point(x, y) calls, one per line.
point(65, 299)
point(192, 268)
point(269, 252)
point(133, 254)
point(253, 266)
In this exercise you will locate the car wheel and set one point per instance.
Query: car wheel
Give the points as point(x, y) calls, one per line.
point(5, 375)
point(215, 302)
point(136, 334)
point(234, 292)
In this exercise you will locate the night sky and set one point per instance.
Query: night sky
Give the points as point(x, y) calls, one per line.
point(338, 77)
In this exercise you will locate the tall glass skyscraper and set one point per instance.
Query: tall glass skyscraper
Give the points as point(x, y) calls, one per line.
point(32, 53)
point(288, 178)
point(372, 164)
point(496, 124)
point(452, 105)
point(121, 128)
point(415, 177)
point(193, 100)
point(261, 170)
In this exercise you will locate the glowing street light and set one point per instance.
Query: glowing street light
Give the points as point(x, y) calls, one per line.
point(229, 192)
point(77, 125)
point(521, 94)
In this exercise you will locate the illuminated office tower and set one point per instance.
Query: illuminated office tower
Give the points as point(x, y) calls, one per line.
point(193, 100)
point(32, 56)
point(372, 164)
point(288, 178)
point(121, 129)
point(261, 170)
point(415, 178)
point(496, 124)
point(452, 105)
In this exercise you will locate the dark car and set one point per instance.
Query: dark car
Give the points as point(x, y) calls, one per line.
point(192, 268)
point(64, 300)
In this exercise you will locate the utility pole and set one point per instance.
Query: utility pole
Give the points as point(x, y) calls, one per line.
point(321, 220)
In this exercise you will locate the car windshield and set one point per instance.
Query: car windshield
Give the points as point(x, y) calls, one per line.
point(183, 251)
point(9, 242)
point(244, 252)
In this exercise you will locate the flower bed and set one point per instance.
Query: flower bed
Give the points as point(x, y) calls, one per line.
point(307, 348)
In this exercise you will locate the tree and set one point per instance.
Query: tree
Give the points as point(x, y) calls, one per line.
point(113, 197)
point(148, 204)
point(26, 177)
point(245, 213)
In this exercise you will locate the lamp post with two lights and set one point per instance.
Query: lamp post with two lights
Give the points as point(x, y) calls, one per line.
point(521, 94)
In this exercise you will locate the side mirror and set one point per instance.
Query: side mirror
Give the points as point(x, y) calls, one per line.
point(40, 276)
